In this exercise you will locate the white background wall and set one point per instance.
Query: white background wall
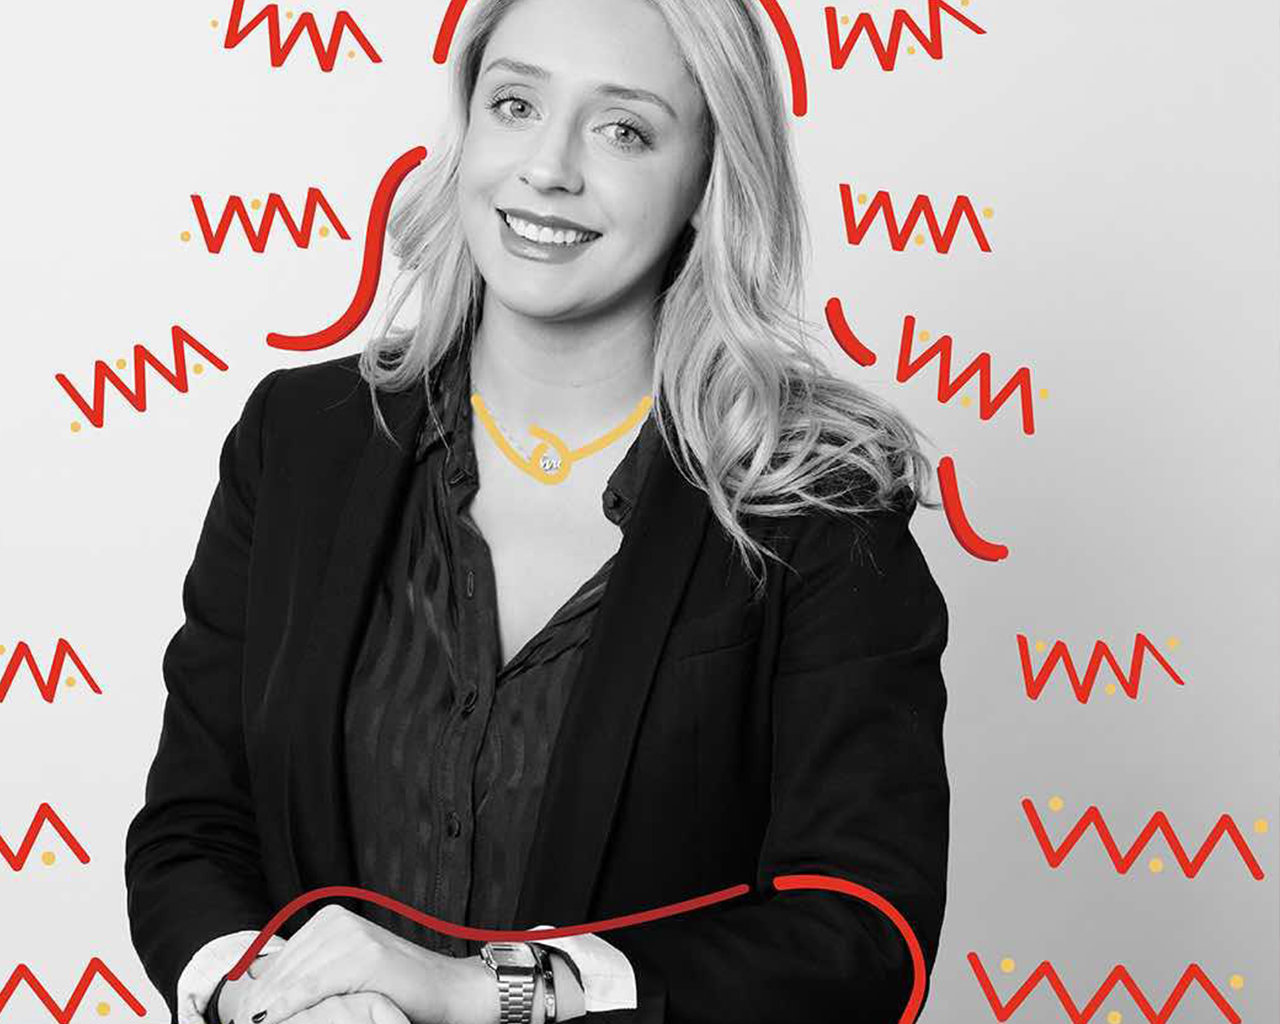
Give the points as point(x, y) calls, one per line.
point(1129, 155)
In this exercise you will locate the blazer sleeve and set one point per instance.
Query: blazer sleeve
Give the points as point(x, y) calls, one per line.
point(859, 791)
point(192, 861)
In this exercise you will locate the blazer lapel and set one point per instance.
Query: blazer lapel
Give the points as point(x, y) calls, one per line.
point(316, 819)
point(596, 735)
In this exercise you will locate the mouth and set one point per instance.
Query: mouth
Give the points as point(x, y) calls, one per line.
point(545, 236)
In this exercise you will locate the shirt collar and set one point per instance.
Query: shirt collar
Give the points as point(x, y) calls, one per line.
point(450, 391)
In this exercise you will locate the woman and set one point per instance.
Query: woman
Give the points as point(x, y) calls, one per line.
point(567, 662)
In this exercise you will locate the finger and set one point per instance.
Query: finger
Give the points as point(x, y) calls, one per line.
point(333, 970)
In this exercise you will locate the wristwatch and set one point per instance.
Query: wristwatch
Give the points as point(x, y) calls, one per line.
point(516, 968)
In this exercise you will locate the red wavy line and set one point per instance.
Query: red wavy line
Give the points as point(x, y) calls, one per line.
point(1035, 681)
point(142, 357)
point(777, 17)
point(234, 209)
point(961, 208)
point(64, 1015)
point(888, 54)
point(1003, 1011)
point(370, 269)
point(43, 813)
point(954, 508)
point(948, 386)
point(48, 687)
point(781, 882)
point(326, 53)
point(1159, 822)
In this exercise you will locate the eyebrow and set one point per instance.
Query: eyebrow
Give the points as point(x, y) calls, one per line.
point(624, 92)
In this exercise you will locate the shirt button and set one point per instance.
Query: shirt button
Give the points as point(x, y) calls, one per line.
point(455, 825)
point(468, 702)
point(471, 583)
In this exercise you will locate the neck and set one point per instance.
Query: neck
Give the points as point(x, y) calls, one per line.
point(573, 378)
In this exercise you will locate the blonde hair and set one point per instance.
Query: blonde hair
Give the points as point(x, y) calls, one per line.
point(748, 412)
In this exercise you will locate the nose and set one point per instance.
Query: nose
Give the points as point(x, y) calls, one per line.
point(552, 161)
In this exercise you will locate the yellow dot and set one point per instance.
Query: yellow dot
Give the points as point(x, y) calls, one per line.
point(1115, 1017)
point(844, 19)
point(1156, 865)
point(1236, 981)
point(47, 857)
point(75, 426)
point(71, 680)
point(1260, 826)
point(255, 204)
point(1044, 392)
point(213, 23)
point(288, 14)
point(911, 49)
point(198, 368)
point(1055, 803)
point(988, 212)
point(1110, 688)
point(103, 1009)
point(1039, 645)
point(923, 335)
point(120, 364)
point(351, 53)
point(1174, 641)
point(185, 236)
point(965, 402)
point(964, 3)
point(862, 198)
point(1007, 964)
point(2, 650)
point(324, 231)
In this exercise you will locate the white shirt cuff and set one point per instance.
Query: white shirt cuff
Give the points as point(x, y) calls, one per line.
point(207, 967)
point(608, 980)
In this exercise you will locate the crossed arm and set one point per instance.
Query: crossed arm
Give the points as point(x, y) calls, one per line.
point(859, 787)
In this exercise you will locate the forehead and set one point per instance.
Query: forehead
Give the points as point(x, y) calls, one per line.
point(589, 42)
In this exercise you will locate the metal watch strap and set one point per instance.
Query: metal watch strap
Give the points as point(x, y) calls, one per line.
point(548, 983)
point(516, 987)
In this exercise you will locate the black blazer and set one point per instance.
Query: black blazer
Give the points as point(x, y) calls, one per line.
point(709, 741)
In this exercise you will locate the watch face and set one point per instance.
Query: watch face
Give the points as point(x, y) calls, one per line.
point(512, 954)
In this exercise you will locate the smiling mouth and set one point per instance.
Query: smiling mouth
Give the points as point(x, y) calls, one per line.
point(560, 238)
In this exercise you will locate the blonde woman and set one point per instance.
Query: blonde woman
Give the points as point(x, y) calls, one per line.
point(591, 593)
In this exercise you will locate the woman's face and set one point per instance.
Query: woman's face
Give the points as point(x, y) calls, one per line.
point(582, 111)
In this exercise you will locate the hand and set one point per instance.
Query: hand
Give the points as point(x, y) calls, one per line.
point(357, 1008)
point(340, 953)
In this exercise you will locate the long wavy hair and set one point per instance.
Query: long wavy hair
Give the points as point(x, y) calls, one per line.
point(748, 411)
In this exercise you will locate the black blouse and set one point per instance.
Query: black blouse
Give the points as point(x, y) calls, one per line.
point(446, 751)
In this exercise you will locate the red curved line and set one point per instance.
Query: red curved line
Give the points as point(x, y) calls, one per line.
point(444, 38)
point(785, 882)
point(468, 932)
point(795, 61)
point(370, 270)
point(845, 337)
point(964, 533)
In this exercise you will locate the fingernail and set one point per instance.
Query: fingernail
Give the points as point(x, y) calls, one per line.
point(257, 1017)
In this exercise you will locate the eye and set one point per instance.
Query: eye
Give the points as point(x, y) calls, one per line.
point(631, 136)
point(496, 103)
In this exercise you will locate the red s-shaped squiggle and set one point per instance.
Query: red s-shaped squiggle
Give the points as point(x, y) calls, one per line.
point(782, 883)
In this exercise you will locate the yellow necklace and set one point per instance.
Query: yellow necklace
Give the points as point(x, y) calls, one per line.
point(541, 464)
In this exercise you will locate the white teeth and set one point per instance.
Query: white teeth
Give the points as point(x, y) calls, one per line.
point(544, 235)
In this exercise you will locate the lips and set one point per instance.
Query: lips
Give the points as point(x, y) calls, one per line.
point(547, 220)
